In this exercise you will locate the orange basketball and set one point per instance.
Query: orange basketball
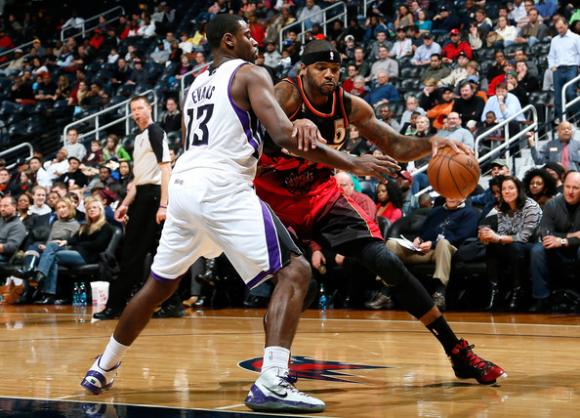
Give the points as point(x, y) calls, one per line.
point(453, 175)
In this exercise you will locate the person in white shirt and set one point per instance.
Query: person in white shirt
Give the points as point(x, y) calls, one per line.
point(403, 47)
point(519, 14)
point(43, 178)
point(310, 13)
point(411, 105)
point(73, 147)
point(455, 131)
point(507, 32)
point(503, 105)
point(39, 206)
point(423, 53)
point(59, 165)
point(563, 61)
point(384, 64)
point(74, 22)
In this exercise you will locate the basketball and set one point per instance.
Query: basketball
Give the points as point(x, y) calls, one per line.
point(453, 175)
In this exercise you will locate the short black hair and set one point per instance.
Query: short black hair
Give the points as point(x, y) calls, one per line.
point(219, 26)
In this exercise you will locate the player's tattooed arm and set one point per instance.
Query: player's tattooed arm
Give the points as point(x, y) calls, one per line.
point(400, 147)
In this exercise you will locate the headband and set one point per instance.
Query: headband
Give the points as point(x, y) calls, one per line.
point(330, 55)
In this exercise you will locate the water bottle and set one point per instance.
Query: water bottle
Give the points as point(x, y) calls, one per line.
point(82, 294)
point(322, 299)
point(75, 295)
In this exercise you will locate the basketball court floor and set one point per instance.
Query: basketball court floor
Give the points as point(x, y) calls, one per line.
point(361, 363)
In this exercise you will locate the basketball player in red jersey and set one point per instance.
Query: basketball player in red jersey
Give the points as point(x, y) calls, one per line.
point(307, 198)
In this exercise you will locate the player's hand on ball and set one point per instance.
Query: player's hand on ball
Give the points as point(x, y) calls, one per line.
point(439, 142)
point(377, 166)
point(307, 134)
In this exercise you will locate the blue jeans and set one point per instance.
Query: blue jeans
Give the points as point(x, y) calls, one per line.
point(49, 261)
point(561, 76)
point(420, 181)
point(543, 261)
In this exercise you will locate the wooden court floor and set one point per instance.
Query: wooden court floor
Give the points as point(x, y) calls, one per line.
point(370, 364)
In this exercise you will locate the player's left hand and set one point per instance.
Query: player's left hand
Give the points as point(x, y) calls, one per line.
point(161, 215)
point(307, 134)
point(377, 166)
point(440, 142)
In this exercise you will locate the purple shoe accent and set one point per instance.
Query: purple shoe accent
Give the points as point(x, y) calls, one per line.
point(91, 387)
point(259, 401)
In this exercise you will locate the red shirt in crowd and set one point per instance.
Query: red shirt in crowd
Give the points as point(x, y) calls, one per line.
point(452, 50)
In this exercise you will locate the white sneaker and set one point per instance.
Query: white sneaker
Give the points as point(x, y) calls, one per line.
point(274, 391)
point(98, 379)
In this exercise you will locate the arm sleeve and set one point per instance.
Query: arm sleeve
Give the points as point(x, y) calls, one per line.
point(16, 237)
point(158, 141)
point(552, 54)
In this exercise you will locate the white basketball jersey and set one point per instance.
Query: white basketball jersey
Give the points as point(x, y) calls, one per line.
point(220, 135)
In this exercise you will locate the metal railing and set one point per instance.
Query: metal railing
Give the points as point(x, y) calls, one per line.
point(533, 126)
point(126, 118)
point(365, 4)
point(86, 24)
point(10, 52)
point(325, 20)
point(565, 104)
point(187, 75)
point(15, 148)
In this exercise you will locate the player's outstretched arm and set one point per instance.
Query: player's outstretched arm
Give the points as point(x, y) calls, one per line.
point(252, 88)
point(401, 147)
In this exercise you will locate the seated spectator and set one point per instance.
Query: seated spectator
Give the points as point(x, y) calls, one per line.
point(445, 228)
point(483, 22)
point(125, 177)
point(23, 204)
point(442, 108)
point(73, 147)
point(12, 230)
point(455, 48)
point(272, 57)
point(383, 91)
point(436, 69)
point(444, 21)
point(560, 234)
point(521, 56)
point(388, 116)
point(351, 73)
point(95, 98)
point(83, 247)
point(403, 46)
point(504, 105)
point(346, 183)
point(114, 150)
point(499, 168)
point(4, 182)
point(310, 14)
point(516, 89)
point(423, 22)
point(389, 201)
point(58, 165)
point(45, 89)
point(506, 32)
point(147, 26)
point(121, 73)
point(468, 105)
point(518, 220)
point(540, 186)
point(458, 74)
point(95, 157)
point(404, 17)
point(410, 128)
point(498, 67)
point(138, 75)
point(74, 175)
point(39, 206)
point(411, 106)
point(534, 31)
point(423, 53)
point(475, 37)
point(171, 118)
point(525, 79)
point(405, 182)
point(456, 132)
point(160, 55)
point(103, 181)
point(359, 86)
point(564, 150)
point(362, 66)
point(22, 182)
point(429, 96)
point(384, 64)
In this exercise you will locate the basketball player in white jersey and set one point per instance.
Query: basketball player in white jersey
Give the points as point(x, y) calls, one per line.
point(213, 209)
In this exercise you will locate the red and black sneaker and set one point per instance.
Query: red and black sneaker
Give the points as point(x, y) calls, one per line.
point(468, 365)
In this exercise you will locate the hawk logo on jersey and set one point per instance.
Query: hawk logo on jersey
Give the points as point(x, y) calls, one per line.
point(339, 135)
point(308, 368)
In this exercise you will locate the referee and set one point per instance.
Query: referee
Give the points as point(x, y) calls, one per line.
point(143, 210)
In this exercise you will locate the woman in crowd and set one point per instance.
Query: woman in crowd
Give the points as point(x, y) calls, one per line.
point(83, 247)
point(525, 79)
point(113, 150)
point(540, 186)
point(125, 177)
point(39, 206)
point(389, 201)
point(423, 22)
point(24, 202)
point(518, 220)
point(404, 17)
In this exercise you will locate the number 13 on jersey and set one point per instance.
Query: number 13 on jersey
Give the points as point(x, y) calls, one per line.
point(200, 135)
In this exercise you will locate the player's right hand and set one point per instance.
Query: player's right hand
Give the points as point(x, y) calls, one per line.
point(377, 166)
point(306, 134)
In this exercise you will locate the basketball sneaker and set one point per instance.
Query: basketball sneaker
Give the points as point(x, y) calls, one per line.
point(98, 379)
point(274, 391)
point(468, 365)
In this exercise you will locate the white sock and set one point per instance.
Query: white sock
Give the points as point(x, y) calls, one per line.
point(276, 357)
point(113, 354)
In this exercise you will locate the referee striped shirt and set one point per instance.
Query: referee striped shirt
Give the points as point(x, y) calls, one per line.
point(151, 149)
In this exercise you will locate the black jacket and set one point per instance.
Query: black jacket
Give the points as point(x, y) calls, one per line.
point(90, 246)
point(560, 219)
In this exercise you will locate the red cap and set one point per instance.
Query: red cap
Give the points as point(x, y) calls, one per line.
point(454, 31)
